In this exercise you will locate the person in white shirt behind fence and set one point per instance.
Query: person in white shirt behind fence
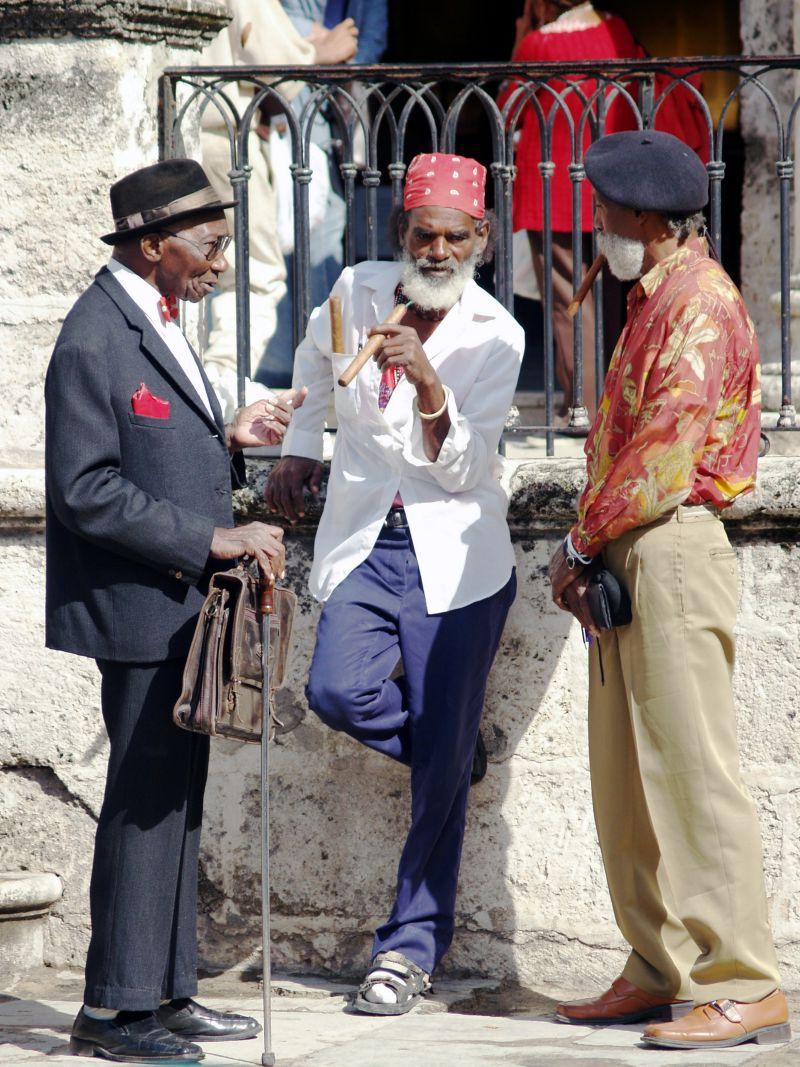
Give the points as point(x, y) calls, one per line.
point(413, 556)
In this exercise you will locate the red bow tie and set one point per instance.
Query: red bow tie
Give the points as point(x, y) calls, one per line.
point(168, 305)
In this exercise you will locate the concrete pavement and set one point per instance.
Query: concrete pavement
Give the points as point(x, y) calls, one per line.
point(464, 1025)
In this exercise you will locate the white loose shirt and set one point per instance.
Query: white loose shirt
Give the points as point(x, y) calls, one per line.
point(456, 506)
point(147, 297)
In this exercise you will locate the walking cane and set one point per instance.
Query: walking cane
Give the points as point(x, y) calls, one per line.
point(265, 610)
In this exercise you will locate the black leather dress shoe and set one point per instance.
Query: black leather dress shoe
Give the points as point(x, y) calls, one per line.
point(479, 761)
point(130, 1038)
point(188, 1019)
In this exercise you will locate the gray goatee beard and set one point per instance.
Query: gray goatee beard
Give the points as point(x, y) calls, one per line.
point(624, 255)
point(436, 292)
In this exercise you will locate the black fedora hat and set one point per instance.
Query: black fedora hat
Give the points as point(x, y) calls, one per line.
point(165, 192)
point(648, 171)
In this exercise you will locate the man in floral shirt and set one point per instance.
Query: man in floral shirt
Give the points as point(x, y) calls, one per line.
point(675, 441)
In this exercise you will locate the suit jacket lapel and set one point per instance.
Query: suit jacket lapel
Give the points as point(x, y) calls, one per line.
point(159, 352)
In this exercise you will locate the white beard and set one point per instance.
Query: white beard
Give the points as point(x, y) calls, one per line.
point(625, 256)
point(437, 292)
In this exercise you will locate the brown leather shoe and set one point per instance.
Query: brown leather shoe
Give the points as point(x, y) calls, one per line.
point(622, 1003)
point(723, 1023)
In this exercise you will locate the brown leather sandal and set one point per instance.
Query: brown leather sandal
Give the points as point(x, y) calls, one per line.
point(402, 975)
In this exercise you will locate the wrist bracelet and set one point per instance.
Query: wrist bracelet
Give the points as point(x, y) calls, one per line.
point(573, 557)
point(430, 416)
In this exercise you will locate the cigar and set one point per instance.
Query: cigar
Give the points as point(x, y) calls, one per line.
point(372, 346)
point(337, 326)
point(585, 286)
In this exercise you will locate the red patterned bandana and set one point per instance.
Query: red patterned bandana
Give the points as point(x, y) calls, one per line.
point(168, 306)
point(437, 180)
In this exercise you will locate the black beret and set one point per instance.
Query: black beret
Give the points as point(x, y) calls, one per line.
point(648, 171)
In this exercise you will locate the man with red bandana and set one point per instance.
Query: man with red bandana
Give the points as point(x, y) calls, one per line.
point(413, 557)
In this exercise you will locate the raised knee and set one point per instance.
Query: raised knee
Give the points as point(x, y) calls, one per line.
point(330, 700)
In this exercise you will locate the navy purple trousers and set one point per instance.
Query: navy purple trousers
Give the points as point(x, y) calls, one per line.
point(427, 719)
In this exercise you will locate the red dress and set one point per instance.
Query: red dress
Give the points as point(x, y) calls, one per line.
point(609, 39)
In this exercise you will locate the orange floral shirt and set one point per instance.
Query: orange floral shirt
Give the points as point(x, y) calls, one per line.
point(680, 416)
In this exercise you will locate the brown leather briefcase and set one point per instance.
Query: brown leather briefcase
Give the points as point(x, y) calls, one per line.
point(222, 679)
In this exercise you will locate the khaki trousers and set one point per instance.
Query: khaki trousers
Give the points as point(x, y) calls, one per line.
point(677, 828)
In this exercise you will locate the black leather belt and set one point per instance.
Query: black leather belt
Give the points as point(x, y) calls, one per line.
point(395, 519)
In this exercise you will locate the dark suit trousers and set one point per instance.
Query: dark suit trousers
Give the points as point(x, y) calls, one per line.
point(144, 879)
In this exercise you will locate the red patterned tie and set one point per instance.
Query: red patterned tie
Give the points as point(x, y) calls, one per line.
point(168, 306)
point(390, 376)
point(389, 379)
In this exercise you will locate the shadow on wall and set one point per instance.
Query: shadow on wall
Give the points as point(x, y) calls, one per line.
point(340, 815)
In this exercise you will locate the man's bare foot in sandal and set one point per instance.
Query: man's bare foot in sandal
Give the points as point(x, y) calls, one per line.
point(394, 984)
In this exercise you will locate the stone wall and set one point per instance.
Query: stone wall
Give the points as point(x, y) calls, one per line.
point(533, 904)
point(77, 111)
point(766, 29)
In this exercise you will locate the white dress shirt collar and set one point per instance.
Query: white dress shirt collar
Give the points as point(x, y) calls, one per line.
point(147, 298)
point(143, 294)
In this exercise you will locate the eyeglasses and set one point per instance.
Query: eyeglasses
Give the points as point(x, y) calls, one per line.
point(208, 252)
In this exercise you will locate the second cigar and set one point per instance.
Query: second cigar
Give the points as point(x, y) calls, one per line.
point(585, 286)
point(372, 346)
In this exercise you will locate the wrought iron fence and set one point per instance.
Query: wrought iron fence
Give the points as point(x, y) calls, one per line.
point(389, 107)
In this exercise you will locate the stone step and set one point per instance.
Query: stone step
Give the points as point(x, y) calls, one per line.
point(781, 442)
point(25, 901)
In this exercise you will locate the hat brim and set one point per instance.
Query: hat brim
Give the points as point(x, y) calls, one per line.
point(162, 224)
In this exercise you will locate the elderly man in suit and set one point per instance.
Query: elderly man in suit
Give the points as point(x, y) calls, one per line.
point(140, 468)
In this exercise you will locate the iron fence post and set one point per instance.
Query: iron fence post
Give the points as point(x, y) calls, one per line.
point(371, 179)
point(301, 279)
point(239, 177)
point(787, 419)
point(546, 170)
point(502, 175)
point(578, 416)
point(348, 172)
point(716, 172)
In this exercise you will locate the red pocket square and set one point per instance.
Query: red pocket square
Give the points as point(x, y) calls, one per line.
point(144, 403)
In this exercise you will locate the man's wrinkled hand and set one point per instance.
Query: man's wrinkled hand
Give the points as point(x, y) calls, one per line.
point(561, 576)
point(403, 348)
point(577, 602)
point(284, 490)
point(264, 543)
point(265, 422)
